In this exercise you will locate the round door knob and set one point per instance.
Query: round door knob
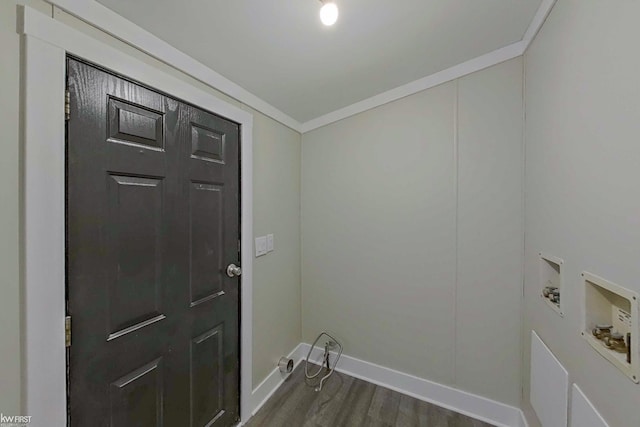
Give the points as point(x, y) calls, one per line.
point(233, 270)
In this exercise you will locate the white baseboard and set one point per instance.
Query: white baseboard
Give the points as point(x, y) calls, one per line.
point(273, 381)
point(463, 402)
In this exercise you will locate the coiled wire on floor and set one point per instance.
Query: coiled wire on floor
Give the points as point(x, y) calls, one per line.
point(326, 362)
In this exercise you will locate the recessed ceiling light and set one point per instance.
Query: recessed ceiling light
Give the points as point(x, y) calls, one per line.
point(328, 13)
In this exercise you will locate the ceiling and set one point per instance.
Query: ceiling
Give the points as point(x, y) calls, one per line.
point(279, 51)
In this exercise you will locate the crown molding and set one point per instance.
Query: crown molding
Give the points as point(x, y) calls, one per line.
point(537, 22)
point(481, 62)
point(119, 27)
point(485, 61)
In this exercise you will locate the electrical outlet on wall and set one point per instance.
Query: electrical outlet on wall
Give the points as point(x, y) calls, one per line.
point(261, 246)
point(269, 242)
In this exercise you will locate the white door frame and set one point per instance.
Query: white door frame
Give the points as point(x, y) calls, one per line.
point(46, 42)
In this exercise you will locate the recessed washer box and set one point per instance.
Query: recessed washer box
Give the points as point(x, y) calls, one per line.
point(551, 275)
point(611, 304)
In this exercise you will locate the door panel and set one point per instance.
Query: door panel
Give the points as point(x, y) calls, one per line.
point(152, 223)
point(132, 124)
point(207, 377)
point(206, 144)
point(206, 272)
point(134, 239)
point(136, 398)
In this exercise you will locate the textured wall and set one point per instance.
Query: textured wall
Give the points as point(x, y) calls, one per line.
point(412, 233)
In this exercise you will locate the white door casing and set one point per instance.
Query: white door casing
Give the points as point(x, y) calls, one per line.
point(46, 45)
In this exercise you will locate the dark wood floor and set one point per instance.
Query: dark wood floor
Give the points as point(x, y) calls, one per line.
point(347, 401)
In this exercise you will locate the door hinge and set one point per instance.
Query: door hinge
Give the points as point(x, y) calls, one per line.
point(67, 331)
point(67, 104)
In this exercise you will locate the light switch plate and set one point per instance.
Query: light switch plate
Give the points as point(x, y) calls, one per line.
point(269, 242)
point(261, 246)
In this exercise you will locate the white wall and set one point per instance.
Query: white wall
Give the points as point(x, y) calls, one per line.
point(9, 211)
point(411, 214)
point(582, 178)
point(378, 221)
point(10, 172)
point(276, 210)
point(412, 233)
point(490, 232)
point(276, 278)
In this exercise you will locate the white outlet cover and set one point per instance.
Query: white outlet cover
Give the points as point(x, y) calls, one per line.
point(269, 242)
point(261, 246)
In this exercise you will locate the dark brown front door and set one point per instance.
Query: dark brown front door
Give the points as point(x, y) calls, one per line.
point(152, 223)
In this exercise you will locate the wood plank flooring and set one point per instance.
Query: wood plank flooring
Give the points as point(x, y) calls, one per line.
point(350, 402)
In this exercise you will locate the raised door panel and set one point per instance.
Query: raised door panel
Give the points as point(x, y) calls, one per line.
point(207, 378)
point(133, 124)
point(206, 237)
point(207, 144)
point(136, 399)
point(134, 233)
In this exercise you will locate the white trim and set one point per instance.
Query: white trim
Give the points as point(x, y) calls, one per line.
point(537, 22)
point(460, 401)
point(121, 28)
point(44, 352)
point(481, 62)
point(47, 42)
point(463, 402)
point(456, 232)
point(273, 381)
